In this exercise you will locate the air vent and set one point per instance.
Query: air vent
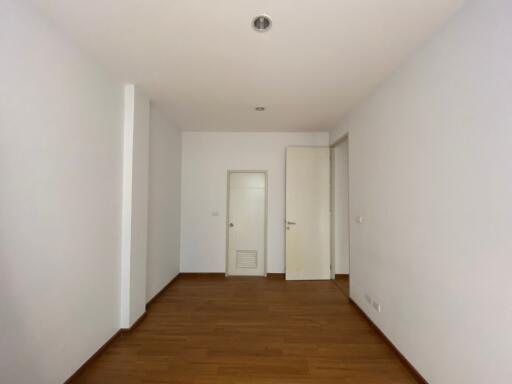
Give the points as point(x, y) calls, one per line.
point(247, 259)
point(262, 23)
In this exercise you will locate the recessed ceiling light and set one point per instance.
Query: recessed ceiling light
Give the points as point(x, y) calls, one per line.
point(259, 109)
point(262, 23)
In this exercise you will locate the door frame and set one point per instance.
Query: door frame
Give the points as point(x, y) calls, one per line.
point(229, 173)
point(333, 205)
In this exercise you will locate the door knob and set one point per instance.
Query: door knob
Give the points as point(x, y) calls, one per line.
point(231, 225)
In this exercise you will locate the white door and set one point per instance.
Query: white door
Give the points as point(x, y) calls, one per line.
point(307, 213)
point(246, 223)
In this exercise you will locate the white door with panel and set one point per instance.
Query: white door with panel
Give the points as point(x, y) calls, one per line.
point(308, 248)
point(246, 223)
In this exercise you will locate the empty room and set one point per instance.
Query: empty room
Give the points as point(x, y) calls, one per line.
point(255, 192)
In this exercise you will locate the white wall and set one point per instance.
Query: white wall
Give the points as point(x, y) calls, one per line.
point(431, 174)
point(164, 203)
point(206, 158)
point(140, 204)
point(341, 204)
point(60, 201)
point(135, 205)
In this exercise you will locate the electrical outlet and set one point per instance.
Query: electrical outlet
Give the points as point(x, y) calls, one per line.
point(368, 298)
point(376, 306)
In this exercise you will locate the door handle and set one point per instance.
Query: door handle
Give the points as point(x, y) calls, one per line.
point(290, 223)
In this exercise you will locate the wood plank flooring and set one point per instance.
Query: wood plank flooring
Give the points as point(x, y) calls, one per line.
point(342, 281)
point(211, 329)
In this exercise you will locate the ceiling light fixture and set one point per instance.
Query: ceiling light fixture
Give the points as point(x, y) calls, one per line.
point(259, 109)
point(262, 23)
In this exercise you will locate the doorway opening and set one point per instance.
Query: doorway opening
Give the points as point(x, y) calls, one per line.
point(340, 216)
point(246, 224)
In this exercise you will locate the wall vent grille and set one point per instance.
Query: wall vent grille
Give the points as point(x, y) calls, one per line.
point(247, 259)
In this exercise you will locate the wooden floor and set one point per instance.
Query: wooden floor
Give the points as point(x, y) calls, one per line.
point(208, 329)
point(342, 281)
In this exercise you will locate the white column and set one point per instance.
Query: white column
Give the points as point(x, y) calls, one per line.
point(135, 206)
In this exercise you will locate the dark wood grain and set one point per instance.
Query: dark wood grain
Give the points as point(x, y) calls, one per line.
point(212, 329)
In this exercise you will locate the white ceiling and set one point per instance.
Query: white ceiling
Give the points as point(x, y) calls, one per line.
point(201, 61)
